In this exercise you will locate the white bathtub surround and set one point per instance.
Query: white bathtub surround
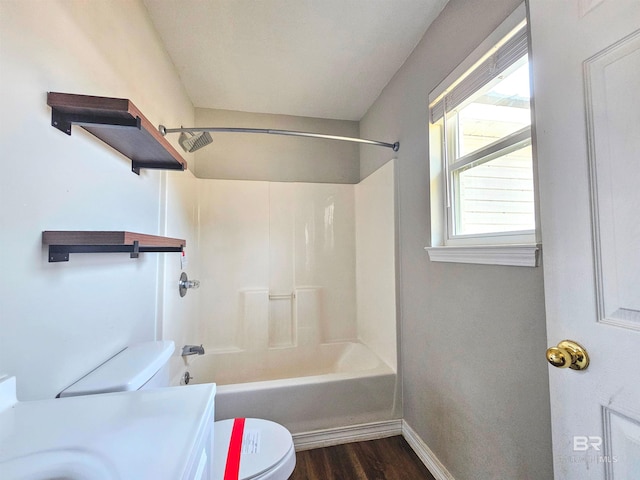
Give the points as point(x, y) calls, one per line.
point(259, 237)
point(254, 318)
point(178, 317)
point(290, 265)
point(312, 244)
point(309, 303)
point(376, 261)
point(233, 236)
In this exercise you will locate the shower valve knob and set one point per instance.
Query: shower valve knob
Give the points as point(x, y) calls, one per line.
point(185, 284)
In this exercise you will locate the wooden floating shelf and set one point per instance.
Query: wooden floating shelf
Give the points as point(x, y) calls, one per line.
point(118, 123)
point(62, 243)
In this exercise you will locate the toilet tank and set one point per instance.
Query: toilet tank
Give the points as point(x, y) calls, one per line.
point(139, 366)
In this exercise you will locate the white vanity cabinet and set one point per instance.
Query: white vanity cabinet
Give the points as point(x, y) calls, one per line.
point(200, 464)
point(166, 433)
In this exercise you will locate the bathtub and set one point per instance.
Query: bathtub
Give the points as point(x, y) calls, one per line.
point(331, 385)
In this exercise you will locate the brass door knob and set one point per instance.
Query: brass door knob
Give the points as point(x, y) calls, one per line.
point(568, 354)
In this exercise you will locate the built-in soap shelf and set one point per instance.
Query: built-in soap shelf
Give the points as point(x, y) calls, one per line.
point(62, 243)
point(282, 296)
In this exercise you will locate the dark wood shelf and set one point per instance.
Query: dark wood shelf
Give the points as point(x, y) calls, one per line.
point(62, 243)
point(118, 123)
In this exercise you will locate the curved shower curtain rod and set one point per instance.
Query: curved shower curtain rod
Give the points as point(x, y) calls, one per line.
point(163, 130)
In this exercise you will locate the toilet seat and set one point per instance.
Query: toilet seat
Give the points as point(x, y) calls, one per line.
point(267, 451)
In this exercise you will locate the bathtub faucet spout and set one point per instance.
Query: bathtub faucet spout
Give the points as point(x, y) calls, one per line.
point(192, 350)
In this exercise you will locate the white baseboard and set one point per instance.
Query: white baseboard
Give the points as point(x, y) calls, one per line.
point(341, 435)
point(424, 453)
point(373, 431)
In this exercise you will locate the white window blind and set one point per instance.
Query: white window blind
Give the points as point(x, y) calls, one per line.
point(505, 55)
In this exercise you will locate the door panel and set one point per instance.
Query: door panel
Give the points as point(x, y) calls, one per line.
point(621, 446)
point(613, 116)
point(586, 82)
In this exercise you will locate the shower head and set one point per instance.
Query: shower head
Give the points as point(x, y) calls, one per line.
point(194, 141)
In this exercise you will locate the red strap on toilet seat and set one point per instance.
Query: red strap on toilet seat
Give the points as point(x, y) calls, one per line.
point(232, 468)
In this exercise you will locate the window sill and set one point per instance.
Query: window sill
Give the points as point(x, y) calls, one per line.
point(511, 255)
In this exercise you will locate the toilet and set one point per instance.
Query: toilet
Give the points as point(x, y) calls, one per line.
point(244, 448)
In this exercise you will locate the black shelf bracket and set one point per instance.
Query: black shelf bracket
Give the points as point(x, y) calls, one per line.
point(63, 121)
point(60, 253)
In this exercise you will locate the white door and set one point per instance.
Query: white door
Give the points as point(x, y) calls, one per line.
point(586, 81)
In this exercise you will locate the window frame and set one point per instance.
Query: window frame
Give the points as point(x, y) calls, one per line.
point(503, 146)
point(521, 248)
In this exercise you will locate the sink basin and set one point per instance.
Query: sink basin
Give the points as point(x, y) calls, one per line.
point(65, 464)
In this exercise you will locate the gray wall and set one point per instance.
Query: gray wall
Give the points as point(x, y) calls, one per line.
point(472, 337)
point(243, 156)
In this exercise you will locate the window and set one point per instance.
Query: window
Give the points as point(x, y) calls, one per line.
point(483, 190)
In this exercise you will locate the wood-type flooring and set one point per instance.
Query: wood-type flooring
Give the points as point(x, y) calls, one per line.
point(386, 459)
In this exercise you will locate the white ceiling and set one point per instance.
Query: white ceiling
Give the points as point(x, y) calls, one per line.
point(315, 58)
